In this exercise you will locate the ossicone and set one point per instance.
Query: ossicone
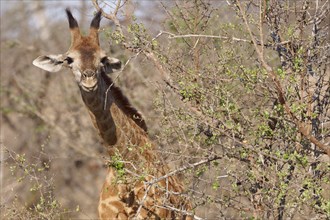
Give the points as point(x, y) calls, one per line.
point(95, 25)
point(96, 20)
point(72, 21)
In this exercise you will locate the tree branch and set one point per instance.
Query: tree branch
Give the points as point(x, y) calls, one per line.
point(173, 36)
point(189, 166)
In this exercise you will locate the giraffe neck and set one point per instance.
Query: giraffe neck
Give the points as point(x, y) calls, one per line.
point(117, 122)
point(98, 105)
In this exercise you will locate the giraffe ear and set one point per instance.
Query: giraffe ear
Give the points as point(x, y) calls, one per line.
point(50, 63)
point(111, 64)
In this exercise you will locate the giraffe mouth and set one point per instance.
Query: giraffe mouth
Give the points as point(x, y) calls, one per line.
point(88, 80)
point(89, 85)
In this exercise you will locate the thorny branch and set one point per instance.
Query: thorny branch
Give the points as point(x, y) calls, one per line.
point(142, 201)
point(118, 74)
point(179, 210)
point(300, 125)
point(149, 184)
point(173, 36)
point(259, 42)
point(189, 166)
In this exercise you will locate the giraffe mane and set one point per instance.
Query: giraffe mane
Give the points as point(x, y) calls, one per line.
point(124, 104)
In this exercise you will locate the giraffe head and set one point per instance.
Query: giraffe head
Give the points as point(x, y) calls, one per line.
point(85, 58)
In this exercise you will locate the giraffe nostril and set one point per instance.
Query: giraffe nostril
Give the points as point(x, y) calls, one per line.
point(88, 73)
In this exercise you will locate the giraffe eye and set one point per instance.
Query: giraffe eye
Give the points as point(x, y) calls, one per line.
point(69, 60)
point(104, 60)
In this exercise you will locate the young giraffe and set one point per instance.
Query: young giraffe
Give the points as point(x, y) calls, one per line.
point(125, 193)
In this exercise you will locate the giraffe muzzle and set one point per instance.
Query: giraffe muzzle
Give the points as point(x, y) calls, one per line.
point(88, 73)
point(89, 80)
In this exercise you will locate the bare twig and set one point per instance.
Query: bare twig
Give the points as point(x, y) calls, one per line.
point(179, 210)
point(173, 36)
point(115, 79)
point(142, 201)
point(189, 166)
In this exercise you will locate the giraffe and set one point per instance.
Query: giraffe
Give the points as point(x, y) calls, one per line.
point(134, 163)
